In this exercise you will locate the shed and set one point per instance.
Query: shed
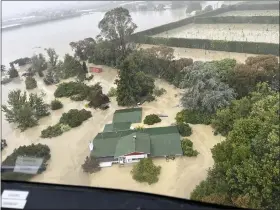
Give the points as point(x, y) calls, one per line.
point(95, 69)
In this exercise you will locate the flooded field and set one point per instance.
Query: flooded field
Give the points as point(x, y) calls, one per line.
point(178, 178)
point(268, 33)
point(251, 13)
point(205, 55)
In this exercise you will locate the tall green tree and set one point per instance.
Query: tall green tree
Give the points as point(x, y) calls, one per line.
point(96, 97)
point(133, 86)
point(246, 170)
point(208, 8)
point(39, 64)
point(127, 85)
point(23, 111)
point(53, 56)
point(193, 6)
point(205, 91)
point(3, 68)
point(117, 26)
point(83, 49)
point(13, 73)
point(71, 67)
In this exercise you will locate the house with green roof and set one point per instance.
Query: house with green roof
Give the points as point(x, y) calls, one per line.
point(120, 143)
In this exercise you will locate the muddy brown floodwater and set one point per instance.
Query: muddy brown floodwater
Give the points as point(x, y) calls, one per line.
point(68, 151)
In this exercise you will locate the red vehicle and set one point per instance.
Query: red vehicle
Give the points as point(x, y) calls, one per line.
point(95, 69)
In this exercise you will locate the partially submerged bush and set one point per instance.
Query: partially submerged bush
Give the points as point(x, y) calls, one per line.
point(52, 131)
point(158, 92)
point(75, 117)
point(6, 80)
point(56, 104)
point(89, 78)
point(91, 165)
point(64, 127)
point(184, 129)
point(146, 171)
point(37, 151)
point(151, 119)
point(187, 147)
point(13, 73)
point(139, 128)
point(71, 89)
point(23, 111)
point(30, 83)
point(112, 92)
point(79, 97)
point(193, 117)
point(3, 144)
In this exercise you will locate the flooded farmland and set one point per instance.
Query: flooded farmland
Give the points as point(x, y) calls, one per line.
point(268, 33)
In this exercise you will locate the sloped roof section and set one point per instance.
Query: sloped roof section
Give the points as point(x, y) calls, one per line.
point(104, 144)
point(117, 127)
point(164, 141)
point(134, 142)
point(133, 115)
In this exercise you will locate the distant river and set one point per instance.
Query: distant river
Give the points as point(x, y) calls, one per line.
point(24, 42)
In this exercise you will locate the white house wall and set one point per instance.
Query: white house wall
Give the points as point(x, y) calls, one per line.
point(135, 158)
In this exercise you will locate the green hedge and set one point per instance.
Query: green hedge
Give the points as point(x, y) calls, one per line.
point(252, 6)
point(238, 19)
point(217, 45)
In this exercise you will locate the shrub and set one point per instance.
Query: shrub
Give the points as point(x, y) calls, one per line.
point(13, 73)
point(184, 129)
point(148, 98)
point(146, 171)
point(89, 78)
point(51, 131)
point(75, 117)
point(56, 104)
point(41, 74)
point(151, 119)
point(30, 83)
point(139, 128)
point(187, 147)
point(3, 144)
point(91, 165)
point(70, 89)
point(65, 128)
point(79, 97)
point(158, 92)
point(112, 92)
point(23, 111)
point(38, 151)
point(193, 117)
point(6, 80)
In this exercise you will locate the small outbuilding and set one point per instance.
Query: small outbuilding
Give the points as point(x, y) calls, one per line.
point(95, 69)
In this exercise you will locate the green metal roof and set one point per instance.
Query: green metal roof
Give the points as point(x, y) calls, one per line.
point(163, 141)
point(133, 115)
point(134, 142)
point(108, 128)
point(117, 126)
point(104, 144)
